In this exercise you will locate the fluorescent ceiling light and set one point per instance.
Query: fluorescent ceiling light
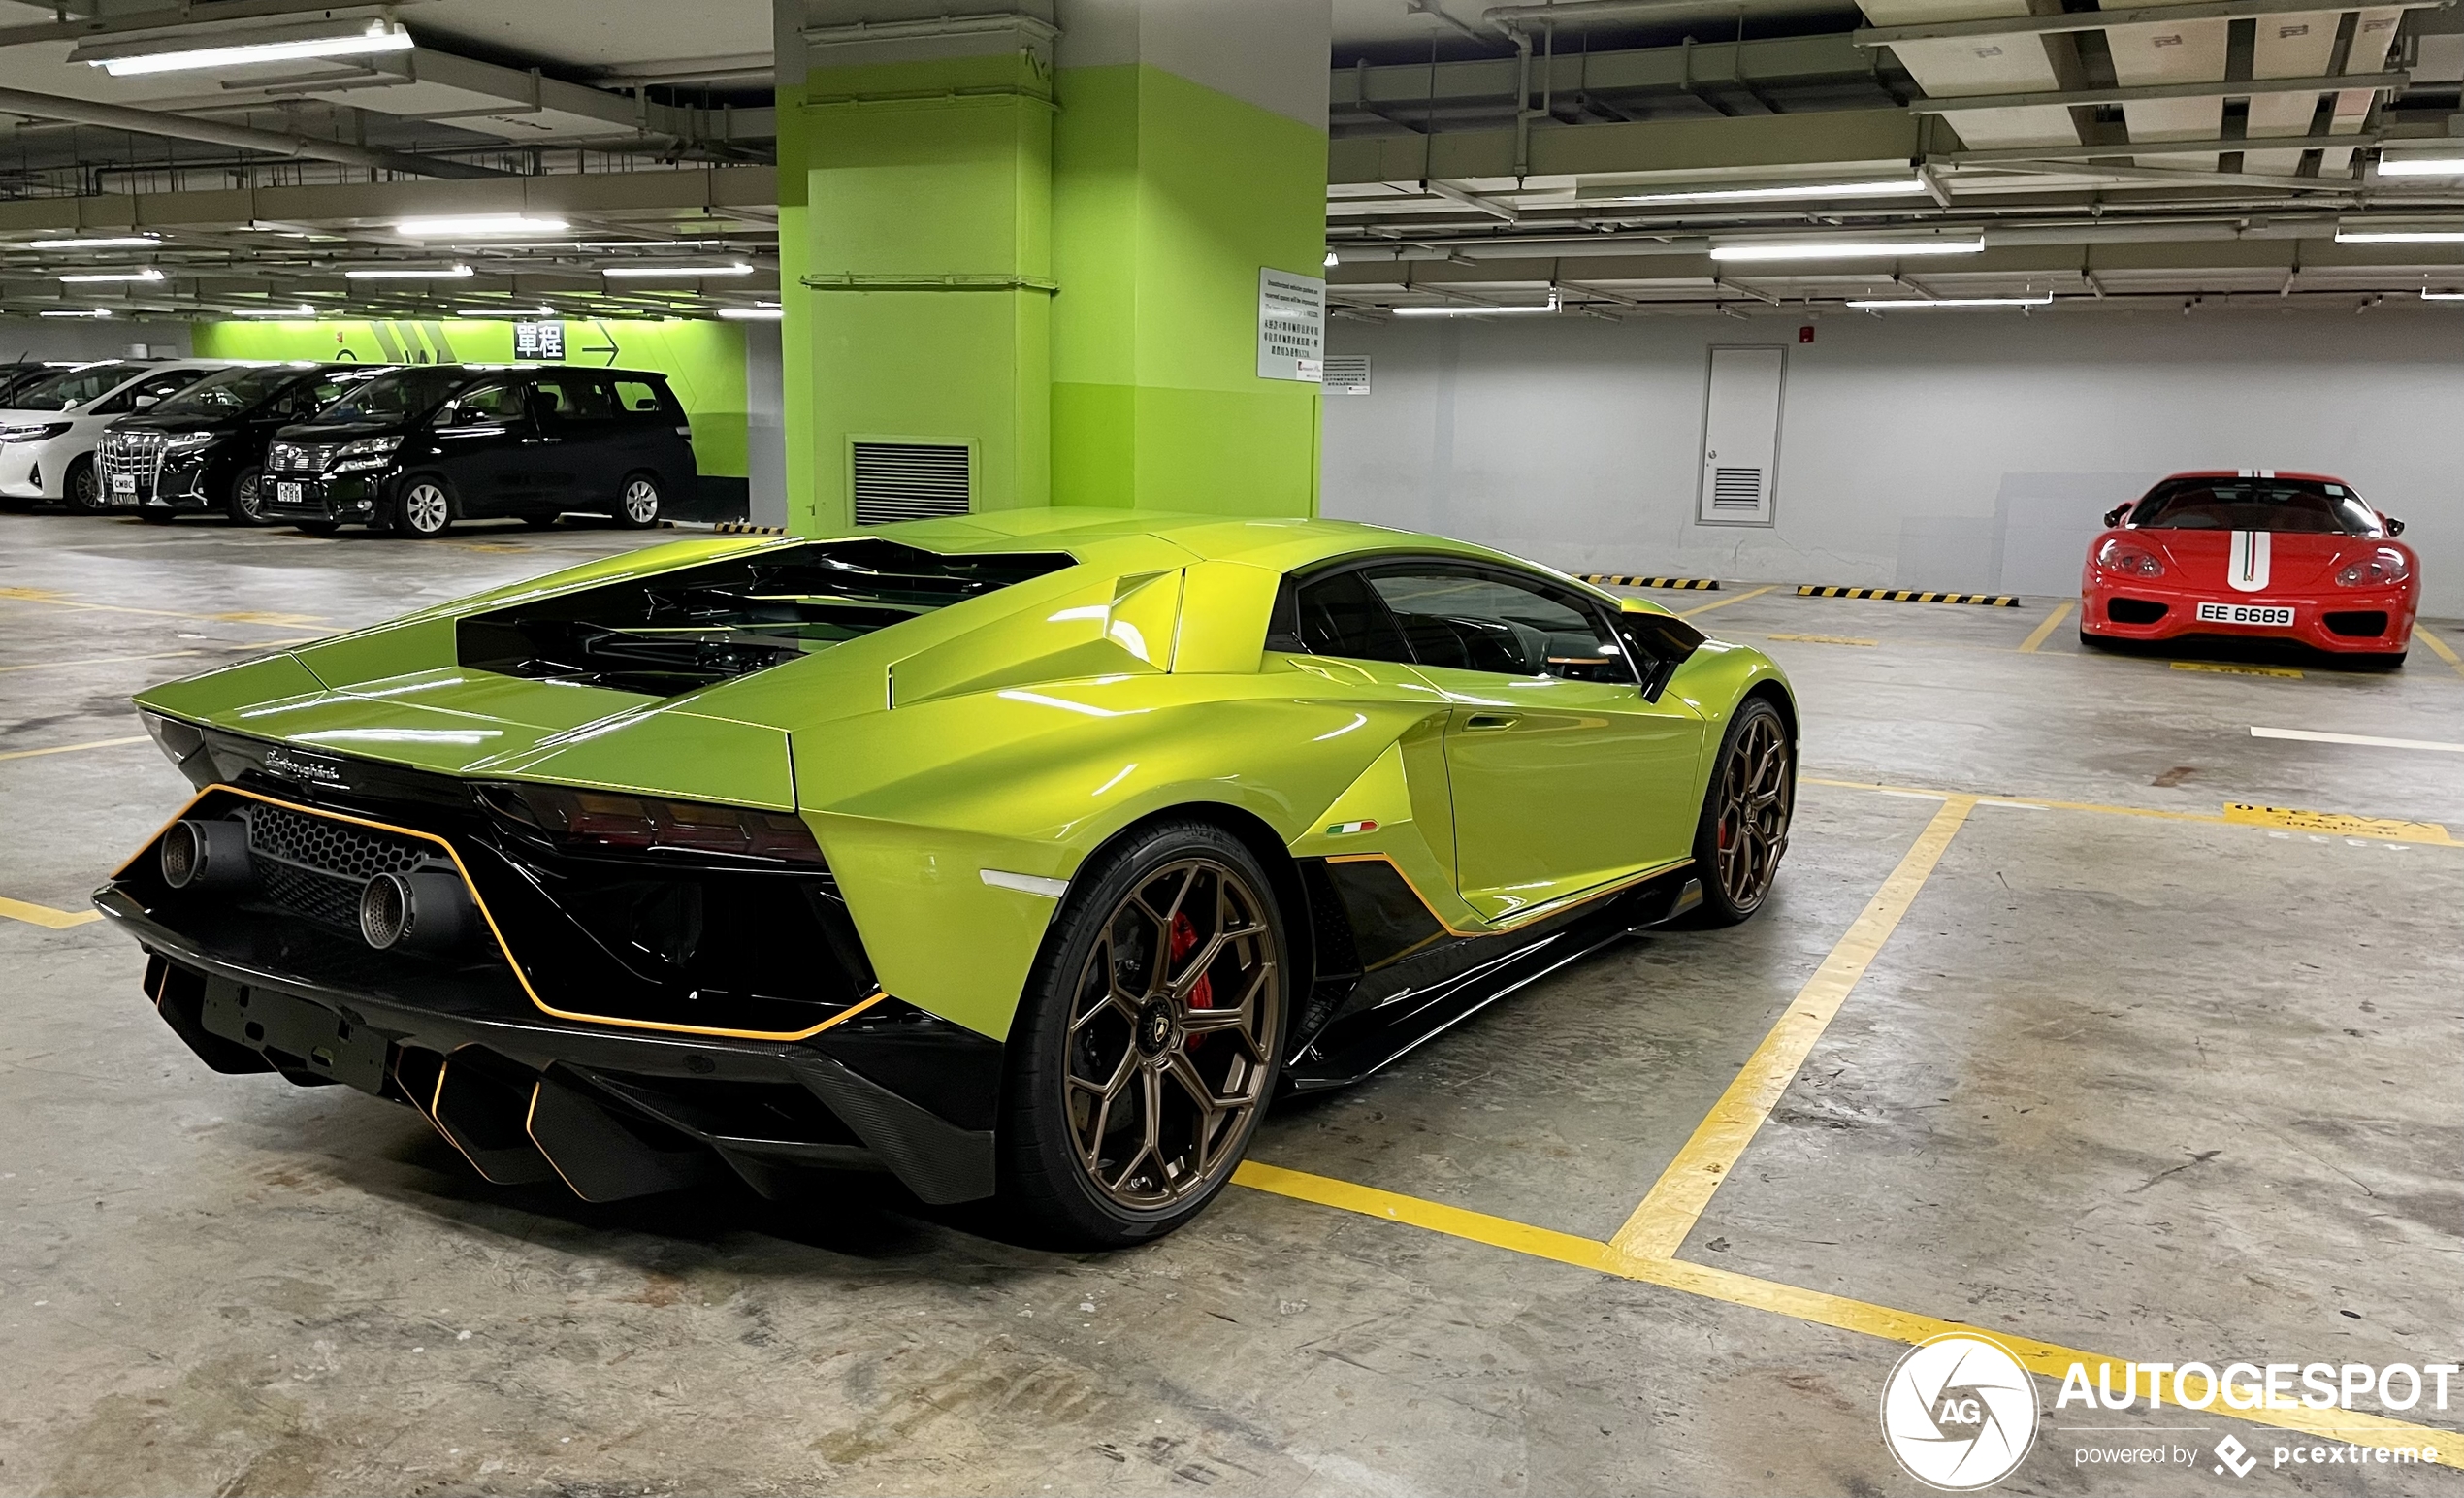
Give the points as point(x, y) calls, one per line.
point(1883, 304)
point(1891, 187)
point(647, 243)
point(100, 311)
point(1476, 311)
point(2443, 296)
point(504, 311)
point(377, 36)
point(738, 268)
point(1333, 259)
point(752, 313)
point(2421, 166)
point(301, 310)
point(1844, 249)
point(396, 272)
point(142, 274)
point(112, 242)
point(476, 224)
point(2344, 235)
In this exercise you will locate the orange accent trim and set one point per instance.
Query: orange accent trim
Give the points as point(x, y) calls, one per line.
point(531, 1112)
point(1523, 918)
point(506, 947)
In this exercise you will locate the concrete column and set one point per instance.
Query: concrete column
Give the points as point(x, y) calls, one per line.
point(1036, 231)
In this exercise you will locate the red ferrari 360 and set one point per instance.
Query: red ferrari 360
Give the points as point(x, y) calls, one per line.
point(2253, 555)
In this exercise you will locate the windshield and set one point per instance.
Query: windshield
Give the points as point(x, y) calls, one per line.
point(396, 396)
point(229, 392)
point(2304, 504)
point(72, 388)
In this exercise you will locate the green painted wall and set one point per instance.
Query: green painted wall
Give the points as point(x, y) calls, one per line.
point(1168, 197)
point(1058, 270)
point(703, 361)
point(919, 288)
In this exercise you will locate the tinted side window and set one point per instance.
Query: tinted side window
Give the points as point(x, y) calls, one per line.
point(640, 398)
point(1481, 622)
point(488, 403)
point(574, 397)
point(1336, 616)
point(152, 390)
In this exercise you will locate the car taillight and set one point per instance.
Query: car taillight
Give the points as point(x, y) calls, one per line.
point(2119, 555)
point(2383, 567)
point(612, 822)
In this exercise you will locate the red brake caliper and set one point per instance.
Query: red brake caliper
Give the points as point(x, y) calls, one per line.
point(1184, 940)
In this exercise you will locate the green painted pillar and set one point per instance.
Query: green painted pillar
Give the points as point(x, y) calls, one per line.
point(1038, 234)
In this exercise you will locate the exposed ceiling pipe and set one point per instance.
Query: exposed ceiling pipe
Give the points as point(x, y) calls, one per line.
point(275, 142)
point(1510, 19)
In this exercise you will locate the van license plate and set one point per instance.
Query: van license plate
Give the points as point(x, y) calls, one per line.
point(2268, 614)
point(292, 494)
point(123, 483)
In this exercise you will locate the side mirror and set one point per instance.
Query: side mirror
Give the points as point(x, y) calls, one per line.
point(2394, 525)
point(2114, 515)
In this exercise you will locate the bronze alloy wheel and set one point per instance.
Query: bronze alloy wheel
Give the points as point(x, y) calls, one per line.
point(1757, 793)
point(1171, 1035)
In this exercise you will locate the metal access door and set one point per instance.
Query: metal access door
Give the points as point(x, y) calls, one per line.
point(1740, 435)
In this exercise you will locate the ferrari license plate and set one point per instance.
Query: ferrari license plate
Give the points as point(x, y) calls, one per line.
point(2268, 614)
point(288, 493)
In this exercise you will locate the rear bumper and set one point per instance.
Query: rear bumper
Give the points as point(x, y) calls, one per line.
point(2334, 623)
point(611, 1113)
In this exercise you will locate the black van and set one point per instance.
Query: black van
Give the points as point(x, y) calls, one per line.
point(204, 448)
point(417, 448)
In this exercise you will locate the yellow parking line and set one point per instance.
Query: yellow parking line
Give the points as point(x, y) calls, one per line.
point(98, 660)
point(2439, 648)
point(52, 600)
point(1688, 613)
point(2045, 630)
point(1657, 1226)
point(43, 915)
point(98, 743)
point(2046, 1359)
point(2376, 829)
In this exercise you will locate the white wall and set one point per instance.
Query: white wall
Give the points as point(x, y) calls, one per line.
point(764, 425)
point(1959, 450)
point(79, 338)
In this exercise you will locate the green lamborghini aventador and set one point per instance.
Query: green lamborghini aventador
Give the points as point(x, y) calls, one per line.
point(1023, 855)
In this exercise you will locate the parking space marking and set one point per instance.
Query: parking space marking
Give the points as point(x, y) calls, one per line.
point(44, 915)
point(1688, 613)
point(2045, 1360)
point(97, 744)
point(98, 660)
point(49, 598)
point(2044, 629)
point(2379, 829)
point(2230, 669)
point(2313, 737)
point(1825, 639)
point(2439, 648)
point(1657, 1226)
point(2336, 824)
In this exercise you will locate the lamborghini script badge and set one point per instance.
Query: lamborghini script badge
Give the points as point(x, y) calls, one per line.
point(324, 772)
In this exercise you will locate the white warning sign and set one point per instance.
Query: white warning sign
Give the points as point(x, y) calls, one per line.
point(1291, 326)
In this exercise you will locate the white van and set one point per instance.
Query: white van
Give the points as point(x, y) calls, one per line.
point(49, 435)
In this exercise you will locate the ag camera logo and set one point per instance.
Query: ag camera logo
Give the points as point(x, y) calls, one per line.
point(1958, 1412)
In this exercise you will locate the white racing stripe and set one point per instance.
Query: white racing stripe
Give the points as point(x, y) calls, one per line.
point(2246, 572)
point(2313, 736)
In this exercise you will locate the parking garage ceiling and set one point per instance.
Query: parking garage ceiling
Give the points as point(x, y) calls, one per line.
point(1617, 157)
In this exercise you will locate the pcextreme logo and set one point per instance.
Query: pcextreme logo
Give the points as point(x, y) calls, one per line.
point(1959, 1412)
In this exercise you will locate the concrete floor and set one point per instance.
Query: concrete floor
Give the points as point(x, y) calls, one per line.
point(2164, 1088)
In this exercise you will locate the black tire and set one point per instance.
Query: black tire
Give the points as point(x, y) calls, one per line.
point(1746, 811)
point(641, 504)
point(246, 501)
point(1058, 1137)
point(84, 487)
point(540, 522)
point(422, 508)
point(315, 527)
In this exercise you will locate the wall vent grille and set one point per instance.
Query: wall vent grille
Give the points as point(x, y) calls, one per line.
point(1737, 488)
point(910, 481)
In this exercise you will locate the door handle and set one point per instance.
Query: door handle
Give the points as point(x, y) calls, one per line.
point(1488, 722)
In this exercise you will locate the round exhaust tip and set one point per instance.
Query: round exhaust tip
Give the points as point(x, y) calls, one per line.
point(385, 911)
point(182, 855)
point(205, 853)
